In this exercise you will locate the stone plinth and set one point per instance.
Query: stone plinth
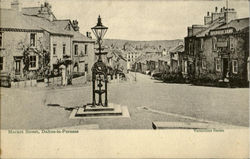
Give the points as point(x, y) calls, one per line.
point(98, 108)
point(112, 110)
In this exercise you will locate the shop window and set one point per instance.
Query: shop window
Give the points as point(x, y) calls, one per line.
point(54, 49)
point(64, 49)
point(235, 66)
point(76, 49)
point(218, 64)
point(32, 39)
point(1, 63)
point(33, 62)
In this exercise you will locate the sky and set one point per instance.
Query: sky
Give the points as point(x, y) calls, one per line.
point(138, 19)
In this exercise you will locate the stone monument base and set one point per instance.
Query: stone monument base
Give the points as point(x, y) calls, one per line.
point(111, 111)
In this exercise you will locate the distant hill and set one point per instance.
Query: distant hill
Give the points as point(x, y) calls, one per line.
point(167, 44)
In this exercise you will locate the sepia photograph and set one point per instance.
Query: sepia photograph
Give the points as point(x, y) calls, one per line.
point(124, 69)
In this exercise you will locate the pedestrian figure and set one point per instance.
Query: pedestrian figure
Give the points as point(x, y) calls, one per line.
point(64, 77)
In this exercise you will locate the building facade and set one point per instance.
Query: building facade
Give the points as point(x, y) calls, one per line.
point(219, 49)
point(32, 40)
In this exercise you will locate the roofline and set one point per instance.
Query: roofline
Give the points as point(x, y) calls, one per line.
point(222, 29)
point(65, 20)
point(20, 30)
point(62, 20)
point(240, 19)
point(82, 41)
point(61, 34)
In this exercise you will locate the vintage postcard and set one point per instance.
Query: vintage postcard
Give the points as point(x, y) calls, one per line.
point(124, 79)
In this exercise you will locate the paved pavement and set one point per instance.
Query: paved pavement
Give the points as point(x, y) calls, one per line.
point(27, 108)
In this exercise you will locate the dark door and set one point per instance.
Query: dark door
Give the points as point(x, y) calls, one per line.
point(225, 67)
point(17, 67)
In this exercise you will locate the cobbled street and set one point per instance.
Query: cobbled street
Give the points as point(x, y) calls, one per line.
point(28, 108)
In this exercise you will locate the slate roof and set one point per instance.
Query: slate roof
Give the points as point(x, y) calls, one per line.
point(62, 23)
point(77, 36)
point(33, 11)
point(179, 48)
point(238, 24)
point(218, 22)
point(49, 26)
point(14, 20)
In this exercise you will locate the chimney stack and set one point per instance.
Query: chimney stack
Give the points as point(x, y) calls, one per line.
point(230, 14)
point(207, 19)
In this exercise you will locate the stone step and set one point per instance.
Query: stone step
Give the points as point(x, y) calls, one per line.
point(98, 108)
point(82, 113)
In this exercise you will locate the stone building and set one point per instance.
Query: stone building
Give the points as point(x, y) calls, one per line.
point(176, 58)
point(32, 39)
point(226, 50)
point(132, 54)
point(83, 56)
point(20, 36)
point(219, 49)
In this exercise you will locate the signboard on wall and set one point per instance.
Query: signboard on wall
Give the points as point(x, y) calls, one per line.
point(221, 31)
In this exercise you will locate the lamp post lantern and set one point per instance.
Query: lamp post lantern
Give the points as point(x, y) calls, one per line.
point(99, 69)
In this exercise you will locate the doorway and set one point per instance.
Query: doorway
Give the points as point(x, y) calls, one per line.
point(225, 67)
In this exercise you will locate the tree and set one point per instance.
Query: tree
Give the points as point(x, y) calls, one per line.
point(43, 59)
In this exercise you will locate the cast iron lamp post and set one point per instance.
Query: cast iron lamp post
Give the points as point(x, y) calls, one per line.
point(99, 69)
